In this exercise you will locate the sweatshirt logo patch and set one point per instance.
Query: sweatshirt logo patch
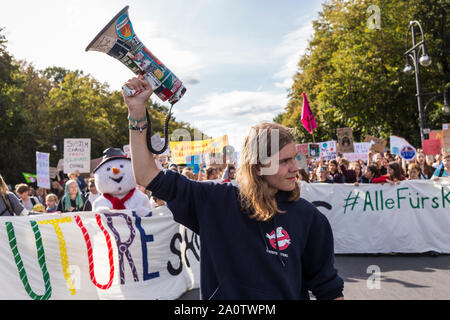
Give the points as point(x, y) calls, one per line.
point(284, 240)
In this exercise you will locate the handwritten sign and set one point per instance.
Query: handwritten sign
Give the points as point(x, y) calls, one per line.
point(77, 155)
point(43, 169)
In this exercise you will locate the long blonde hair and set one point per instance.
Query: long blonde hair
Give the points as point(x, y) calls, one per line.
point(255, 195)
point(4, 190)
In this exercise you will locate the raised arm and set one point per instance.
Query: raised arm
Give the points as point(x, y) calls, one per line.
point(144, 166)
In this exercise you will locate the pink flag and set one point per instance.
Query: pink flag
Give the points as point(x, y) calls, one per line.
point(307, 116)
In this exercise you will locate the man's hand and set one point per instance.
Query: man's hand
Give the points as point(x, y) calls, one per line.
point(136, 104)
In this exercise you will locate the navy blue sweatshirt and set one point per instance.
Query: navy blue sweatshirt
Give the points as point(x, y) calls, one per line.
point(241, 257)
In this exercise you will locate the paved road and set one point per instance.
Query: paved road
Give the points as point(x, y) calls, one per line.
point(390, 277)
point(401, 276)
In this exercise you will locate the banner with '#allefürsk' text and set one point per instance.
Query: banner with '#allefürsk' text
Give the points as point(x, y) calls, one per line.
point(411, 217)
point(85, 255)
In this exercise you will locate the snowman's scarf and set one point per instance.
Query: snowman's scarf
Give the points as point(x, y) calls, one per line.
point(119, 203)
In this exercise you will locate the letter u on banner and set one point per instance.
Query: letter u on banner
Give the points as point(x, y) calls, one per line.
point(87, 239)
point(41, 259)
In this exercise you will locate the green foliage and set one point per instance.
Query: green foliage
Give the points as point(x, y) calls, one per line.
point(34, 102)
point(353, 77)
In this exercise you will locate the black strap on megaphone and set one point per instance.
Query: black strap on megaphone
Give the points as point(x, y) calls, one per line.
point(166, 132)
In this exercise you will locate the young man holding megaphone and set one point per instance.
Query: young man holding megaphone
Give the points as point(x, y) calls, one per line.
point(260, 240)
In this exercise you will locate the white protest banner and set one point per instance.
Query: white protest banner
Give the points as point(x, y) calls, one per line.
point(328, 150)
point(77, 155)
point(361, 152)
point(43, 169)
point(410, 217)
point(77, 256)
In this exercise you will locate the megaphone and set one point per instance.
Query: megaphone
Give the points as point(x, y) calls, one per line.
point(118, 40)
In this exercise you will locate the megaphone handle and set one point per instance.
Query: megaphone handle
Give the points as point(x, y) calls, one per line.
point(166, 132)
point(128, 92)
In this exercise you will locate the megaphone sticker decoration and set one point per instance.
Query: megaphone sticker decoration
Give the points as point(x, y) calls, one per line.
point(124, 27)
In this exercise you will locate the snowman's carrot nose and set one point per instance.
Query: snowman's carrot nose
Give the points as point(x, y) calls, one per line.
point(115, 170)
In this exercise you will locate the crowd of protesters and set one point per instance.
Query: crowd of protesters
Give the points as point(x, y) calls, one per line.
point(74, 192)
point(380, 168)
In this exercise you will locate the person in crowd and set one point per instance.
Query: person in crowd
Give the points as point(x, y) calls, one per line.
point(57, 189)
point(24, 197)
point(9, 203)
point(73, 200)
point(414, 171)
point(312, 175)
point(52, 203)
point(173, 167)
point(356, 166)
point(211, 173)
point(322, 175)
point(156, 202)
point(286, 244)
point(41, 194)
point(336, 176)
point(302, 176)
point(437, 161)
point(348, 175)
point(377, 159)
point(187, 172)
point(426, 171)
point(93, 193)
point(229, 173)
point(370, 173)
point(394, 174)
point(443, 171)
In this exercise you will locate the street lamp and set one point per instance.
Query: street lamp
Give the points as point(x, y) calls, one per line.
point(54, 146)
point(424, 60)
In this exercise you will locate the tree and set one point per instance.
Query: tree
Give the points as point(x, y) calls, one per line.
point(352, 74)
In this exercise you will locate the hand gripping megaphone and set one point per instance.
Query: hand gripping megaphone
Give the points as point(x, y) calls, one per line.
point(118, 40)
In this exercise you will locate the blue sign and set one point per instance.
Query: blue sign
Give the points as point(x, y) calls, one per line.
point(408, 153)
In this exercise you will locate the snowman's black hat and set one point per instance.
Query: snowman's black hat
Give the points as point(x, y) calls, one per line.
point(111, 154)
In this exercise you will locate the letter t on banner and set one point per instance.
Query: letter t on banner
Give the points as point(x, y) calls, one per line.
point(308, 120)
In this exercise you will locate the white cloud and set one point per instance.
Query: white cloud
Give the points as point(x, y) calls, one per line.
point(291, 48)
point(233, 113)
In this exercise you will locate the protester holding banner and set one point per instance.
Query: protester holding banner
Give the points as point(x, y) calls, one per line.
point(414, 171)
point(258, 241)
point(334, 173)
point(9, 204)
point(394, 174)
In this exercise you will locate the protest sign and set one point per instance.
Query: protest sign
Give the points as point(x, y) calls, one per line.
point(361, 152)
point(410, 217)
point(77, 155)
point(345, 140)
point(378, 145)
point(43, 169)
point(403, 148)
point(77, 256)
point(313, 150)
point(446, 140)
point(182, 149)
point(431, 146)
point(328, 150)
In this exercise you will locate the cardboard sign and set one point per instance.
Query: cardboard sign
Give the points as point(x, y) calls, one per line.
point(77, 155)
point(345, 140)
point(302, 148)
point(446, 140)
point(378, 145)
point(445, 126)
point(431, 146)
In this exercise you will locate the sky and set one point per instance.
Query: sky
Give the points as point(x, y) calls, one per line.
point(236, 58)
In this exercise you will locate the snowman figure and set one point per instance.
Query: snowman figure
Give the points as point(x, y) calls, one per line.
point(114, 178)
